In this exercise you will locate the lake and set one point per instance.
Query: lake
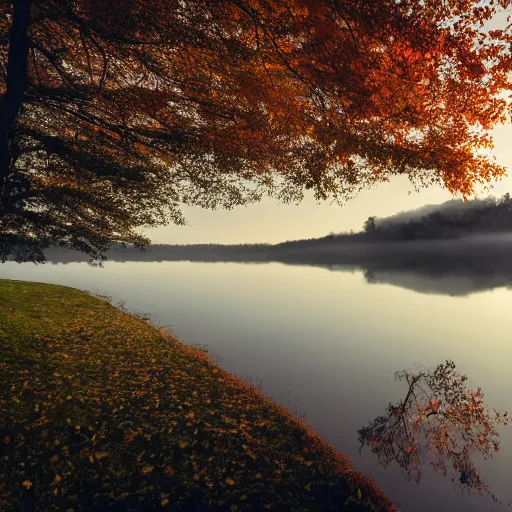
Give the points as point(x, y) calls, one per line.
point(325, 341)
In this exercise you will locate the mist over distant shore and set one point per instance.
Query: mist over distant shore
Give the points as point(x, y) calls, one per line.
point(453, 248)
point(453, 266)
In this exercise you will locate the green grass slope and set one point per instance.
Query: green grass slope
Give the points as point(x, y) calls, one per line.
point(99, 410)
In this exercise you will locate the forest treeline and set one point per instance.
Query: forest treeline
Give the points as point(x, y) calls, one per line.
point(452, 219)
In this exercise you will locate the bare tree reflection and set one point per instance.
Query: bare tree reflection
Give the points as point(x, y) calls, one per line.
point(440, 422)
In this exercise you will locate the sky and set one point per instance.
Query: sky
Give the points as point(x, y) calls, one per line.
point(271, 222)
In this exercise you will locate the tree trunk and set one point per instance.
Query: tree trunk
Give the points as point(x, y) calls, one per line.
point(16, 85)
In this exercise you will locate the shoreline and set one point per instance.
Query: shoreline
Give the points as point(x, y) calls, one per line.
point(137, 380)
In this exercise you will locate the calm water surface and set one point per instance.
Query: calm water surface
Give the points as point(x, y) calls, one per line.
point(326, 344)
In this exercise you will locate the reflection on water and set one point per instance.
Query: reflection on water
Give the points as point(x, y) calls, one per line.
point(326, 343)
point(441, 422)
point(452, 267)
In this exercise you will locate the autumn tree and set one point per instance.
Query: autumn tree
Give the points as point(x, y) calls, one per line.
point(441, 423)
point(113, 113)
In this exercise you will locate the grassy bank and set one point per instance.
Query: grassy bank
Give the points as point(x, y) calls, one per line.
point(99, 410)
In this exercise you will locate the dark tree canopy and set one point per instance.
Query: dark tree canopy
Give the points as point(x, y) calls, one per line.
point(113, 113)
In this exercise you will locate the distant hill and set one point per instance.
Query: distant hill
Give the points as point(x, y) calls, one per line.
point(452, 219)
point(422, 211)
point(451, 266)
point(489, 220)
point(454, 248)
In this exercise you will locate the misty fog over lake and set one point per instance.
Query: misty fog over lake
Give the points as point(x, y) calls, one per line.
point(324, 328)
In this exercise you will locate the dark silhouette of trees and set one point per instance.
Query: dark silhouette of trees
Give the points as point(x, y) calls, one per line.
point(369, 227)
point(114, 113)
point(489, 215)
point(439, 422)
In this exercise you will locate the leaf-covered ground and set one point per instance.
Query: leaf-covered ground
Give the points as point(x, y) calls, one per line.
point(100, 410)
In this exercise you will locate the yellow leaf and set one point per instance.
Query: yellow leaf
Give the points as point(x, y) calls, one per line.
point(27, 484)
point(164, 502)
point(230, 481)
